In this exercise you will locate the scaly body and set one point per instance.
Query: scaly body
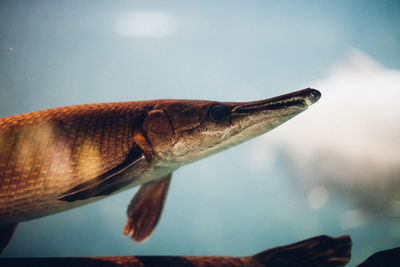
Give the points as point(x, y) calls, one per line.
point(46, 152)
point(57, 159)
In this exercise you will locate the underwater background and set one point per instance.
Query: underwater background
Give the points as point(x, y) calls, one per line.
point(334, 169)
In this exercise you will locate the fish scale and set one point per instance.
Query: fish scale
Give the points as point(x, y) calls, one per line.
point(62, 158)
point(48, 151)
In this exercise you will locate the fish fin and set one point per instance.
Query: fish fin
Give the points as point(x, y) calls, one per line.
point(390, 257)
point(6, 233)
point(106, 183)
point(145, 209)
point(317, 251)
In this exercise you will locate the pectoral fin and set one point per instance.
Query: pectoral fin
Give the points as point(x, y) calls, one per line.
point(106, 183)
point(6, 233)
point(145, 209)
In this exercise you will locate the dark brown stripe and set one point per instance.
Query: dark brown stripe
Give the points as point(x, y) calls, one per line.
point(270, 106)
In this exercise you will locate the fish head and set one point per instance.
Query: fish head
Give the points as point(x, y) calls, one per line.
point(194, 129)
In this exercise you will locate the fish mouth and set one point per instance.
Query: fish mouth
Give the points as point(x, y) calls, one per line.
point(301, 99)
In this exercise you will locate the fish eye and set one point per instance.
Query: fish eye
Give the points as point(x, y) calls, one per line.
point(218, 113)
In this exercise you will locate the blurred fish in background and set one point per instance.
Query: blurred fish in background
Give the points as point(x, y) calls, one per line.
point(333, 170)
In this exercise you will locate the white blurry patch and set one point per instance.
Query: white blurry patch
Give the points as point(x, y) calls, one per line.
point(317, 197)
point(145, 24)
point(351, 219)
point(350, 138)
point(356, 122)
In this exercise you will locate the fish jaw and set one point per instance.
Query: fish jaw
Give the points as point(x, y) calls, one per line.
point(245, 120)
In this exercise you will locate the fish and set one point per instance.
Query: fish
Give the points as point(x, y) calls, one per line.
point(61, 158)
point(388, 257)
point(317, 251)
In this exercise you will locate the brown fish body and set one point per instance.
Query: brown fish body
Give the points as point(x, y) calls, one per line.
point(316, 251)
point(57, 159)
point(46, 152)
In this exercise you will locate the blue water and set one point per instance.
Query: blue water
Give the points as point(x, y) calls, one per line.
point(57, 53)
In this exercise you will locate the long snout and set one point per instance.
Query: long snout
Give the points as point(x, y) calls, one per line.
point(301, 99)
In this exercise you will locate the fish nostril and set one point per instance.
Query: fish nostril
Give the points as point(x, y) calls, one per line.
point(316, 94)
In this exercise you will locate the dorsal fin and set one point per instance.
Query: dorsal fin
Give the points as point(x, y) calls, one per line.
point(316, 251)
point(145, 209)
